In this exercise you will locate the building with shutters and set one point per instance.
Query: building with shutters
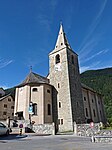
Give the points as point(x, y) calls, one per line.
point(6, 105)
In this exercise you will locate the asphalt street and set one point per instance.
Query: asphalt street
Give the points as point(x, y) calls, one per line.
point(57, 142)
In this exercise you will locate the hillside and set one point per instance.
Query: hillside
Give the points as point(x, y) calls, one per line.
point(101, 81)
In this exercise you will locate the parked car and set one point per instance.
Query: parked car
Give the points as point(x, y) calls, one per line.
point(4, 130)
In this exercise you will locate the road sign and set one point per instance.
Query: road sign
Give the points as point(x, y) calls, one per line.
point(91, 124)
point(21, 125)
point(30, 109)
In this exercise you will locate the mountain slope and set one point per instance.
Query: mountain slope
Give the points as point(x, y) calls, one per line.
point(101, 81)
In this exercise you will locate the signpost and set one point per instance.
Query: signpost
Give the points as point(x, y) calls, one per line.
point(30, 112)
point(20, 126)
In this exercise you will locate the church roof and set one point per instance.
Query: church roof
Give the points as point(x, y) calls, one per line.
point(34, 78)
point(87, 87)
point(62, 41)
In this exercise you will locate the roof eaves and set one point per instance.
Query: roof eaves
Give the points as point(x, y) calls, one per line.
point(5, 96)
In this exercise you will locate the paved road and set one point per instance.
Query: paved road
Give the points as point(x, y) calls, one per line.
point(58, 142)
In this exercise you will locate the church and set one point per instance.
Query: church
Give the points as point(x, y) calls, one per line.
point(60, 97)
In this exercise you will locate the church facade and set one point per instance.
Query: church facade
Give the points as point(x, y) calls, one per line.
point(60, 97)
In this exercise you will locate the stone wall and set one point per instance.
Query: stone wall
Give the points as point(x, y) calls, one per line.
point(104, 136)
point(87, 129)
point(44, 129)
point(97, 135)
point(101, 139)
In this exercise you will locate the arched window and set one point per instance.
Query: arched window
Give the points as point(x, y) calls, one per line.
point(57, 59)
point(49, 109)
point(48, 91)
point(84, 98)
point(34, 89)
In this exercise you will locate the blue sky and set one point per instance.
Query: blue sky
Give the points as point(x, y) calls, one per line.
point(29, 29)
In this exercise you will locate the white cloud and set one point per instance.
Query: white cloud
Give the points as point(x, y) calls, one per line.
point(96, 54)
point(88, 47)
point(87, 50)
point(42, 17)
point(88, 42)
point(84, 68)
point(4, 63)
point(93, 66)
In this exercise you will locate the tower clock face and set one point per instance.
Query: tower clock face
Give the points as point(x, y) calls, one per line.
point(21, 89)
point(57, 67)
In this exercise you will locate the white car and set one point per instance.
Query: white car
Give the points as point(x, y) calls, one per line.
point(4, 130)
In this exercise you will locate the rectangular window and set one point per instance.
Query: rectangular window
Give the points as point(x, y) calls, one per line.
point(4, 113)
point(61, 121)
point(58, 85)
point(86, 112)
point(49, 109)
point(9, 99)
point(34, 109)
point(5, 105)
point(12, 107)
point(59, 104)
point(94, 112)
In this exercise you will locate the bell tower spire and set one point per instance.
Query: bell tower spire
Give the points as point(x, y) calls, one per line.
point(62, 39)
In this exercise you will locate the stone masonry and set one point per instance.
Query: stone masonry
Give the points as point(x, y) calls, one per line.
point(64, 76)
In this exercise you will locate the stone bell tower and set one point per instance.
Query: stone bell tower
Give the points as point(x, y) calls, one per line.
point(64, 76)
